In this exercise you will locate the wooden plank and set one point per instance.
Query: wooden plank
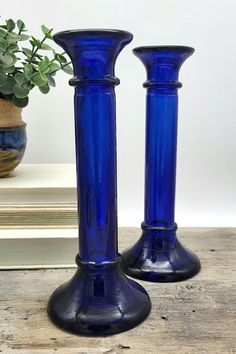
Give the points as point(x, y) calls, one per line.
point(194, 316)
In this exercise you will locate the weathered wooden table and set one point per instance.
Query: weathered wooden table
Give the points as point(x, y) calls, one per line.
point(194, 316)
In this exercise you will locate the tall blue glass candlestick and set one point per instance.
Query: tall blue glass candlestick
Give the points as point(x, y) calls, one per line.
point(99, 299)
point(158, 255)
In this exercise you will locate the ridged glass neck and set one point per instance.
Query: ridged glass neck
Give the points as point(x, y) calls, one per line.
point(93, 54)
point(162, 65)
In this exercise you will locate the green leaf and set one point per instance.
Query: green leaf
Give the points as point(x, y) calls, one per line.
point(68, 69)
point(54, 67)
point(2, 33)
point(38, 80)
point(44, 89)
point(36, 42)
point(3, 79)
point(9, 69)
point(45, 46)
point(47, 60)
point(3, 44)
point(1, 59)
point(27, 52)
point(43, 76)
point(19, 78)
point(7, 88)
point(51, 81)
point(20, 91)
point(47, 32)
point(60, 58)
point(38, 56)
point(32, 61)
point(14, 58)
point(23, 37)
point(20, 25)
point(20, 102)
point(12, 47)
point(10, 25)
point(45, 29)
point(27, 85)
point(13, 37)
point(44, 66)
point(28, 70)
point(7, 59)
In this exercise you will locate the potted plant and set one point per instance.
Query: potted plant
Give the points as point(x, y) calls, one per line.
point(23, 66)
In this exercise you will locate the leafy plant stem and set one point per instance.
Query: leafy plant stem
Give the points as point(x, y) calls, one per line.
point(62, 66)
point(37, 48)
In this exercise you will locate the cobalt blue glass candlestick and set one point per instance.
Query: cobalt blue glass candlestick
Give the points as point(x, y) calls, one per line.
point(158, 255)
point(99, 299)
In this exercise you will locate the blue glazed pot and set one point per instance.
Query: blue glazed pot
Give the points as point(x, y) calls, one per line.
point(12, 137)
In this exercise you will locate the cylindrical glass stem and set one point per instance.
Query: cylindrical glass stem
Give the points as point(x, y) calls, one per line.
point(160, 165)
point(95, 129)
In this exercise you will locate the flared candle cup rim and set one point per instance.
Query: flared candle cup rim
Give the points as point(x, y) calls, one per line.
point(95, 32)
point(163, 48)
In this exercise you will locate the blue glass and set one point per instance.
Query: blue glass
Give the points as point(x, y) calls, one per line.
point(158, 255)
point(99, 299)
point(12, 148)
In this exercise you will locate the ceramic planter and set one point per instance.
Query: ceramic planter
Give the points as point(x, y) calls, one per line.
point(12, 137)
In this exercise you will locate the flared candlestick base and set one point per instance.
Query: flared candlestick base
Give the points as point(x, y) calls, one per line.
point(158, 256)
point(99, 300)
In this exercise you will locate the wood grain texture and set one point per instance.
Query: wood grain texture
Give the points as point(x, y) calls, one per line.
point(194, 316)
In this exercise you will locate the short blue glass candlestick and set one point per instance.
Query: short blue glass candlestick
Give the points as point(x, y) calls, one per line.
point(99, 299)
point(158, 255)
